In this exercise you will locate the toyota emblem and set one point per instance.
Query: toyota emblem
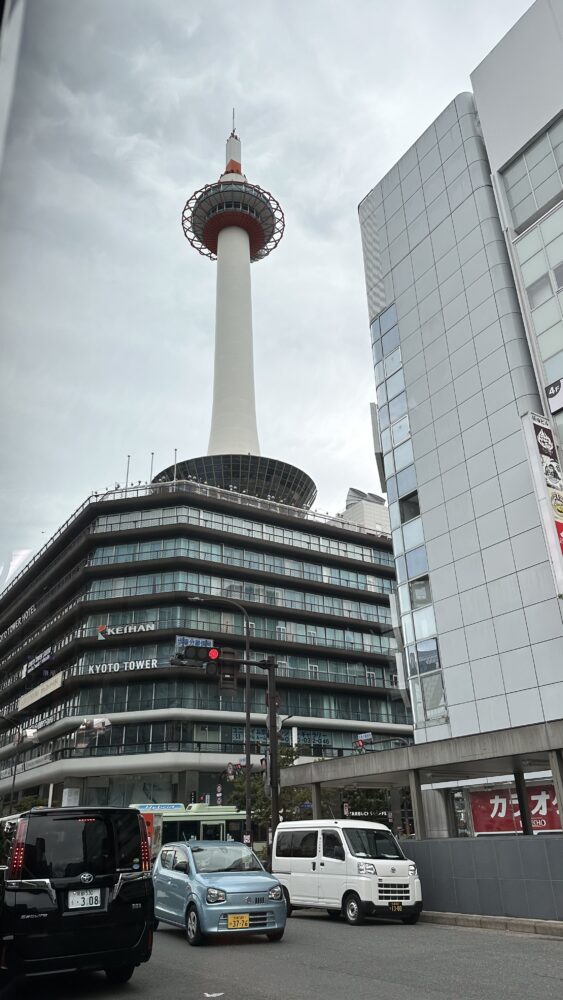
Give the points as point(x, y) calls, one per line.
point(248, 899)
point(86, 877)
point(393, 870)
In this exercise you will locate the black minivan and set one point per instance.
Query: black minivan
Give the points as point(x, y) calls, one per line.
point(78, 893)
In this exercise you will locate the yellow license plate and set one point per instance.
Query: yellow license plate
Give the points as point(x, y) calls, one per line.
point(238, 921)
point(395, 907)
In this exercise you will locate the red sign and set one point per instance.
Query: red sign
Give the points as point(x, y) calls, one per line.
point(559, 528)
point(496, 810)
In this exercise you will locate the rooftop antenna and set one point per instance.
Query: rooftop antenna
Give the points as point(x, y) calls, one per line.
point(234, 129)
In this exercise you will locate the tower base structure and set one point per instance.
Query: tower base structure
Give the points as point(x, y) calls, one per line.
point(256, 475)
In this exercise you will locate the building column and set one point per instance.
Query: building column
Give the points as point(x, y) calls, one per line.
point(449, 809)
point(556, 765)
point(316, 799)
point(523, 803)
point(395, 796)
point(417, 807)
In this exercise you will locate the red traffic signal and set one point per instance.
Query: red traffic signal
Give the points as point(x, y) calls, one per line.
point(213, 654)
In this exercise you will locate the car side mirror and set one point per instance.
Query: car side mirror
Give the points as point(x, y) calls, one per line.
point(181, 866)
point(338, 853)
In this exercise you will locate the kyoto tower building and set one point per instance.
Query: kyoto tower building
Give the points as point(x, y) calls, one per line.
point(236, 224)
point(90, 628)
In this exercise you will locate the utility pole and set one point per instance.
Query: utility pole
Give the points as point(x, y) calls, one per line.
point(271, 666)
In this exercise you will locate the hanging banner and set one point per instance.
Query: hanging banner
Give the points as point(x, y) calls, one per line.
point(548, 485)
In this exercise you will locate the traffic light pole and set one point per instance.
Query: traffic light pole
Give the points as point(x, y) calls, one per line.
point(274, 761)
point(247, 694)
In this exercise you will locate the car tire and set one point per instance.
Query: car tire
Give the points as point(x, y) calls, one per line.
point(120, 974)
point(288, 906)
point(353, 909)
point(412, 918)
point(193, 929)
point(334, 914)
point(275, 935)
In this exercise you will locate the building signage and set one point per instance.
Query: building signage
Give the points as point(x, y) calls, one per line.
point(496, 810)
point(47, 687)
point(548, 479)
point(19, 621)
point(151, 807)
point(554, 393)
point(104, 631)
point(121, 666)
point(182, 641)
point(37, 661)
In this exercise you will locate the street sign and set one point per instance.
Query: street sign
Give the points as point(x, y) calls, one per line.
point(191, 640)
point(365, 736)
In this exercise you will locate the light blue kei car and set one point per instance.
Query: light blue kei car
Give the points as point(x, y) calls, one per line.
point(216, 887)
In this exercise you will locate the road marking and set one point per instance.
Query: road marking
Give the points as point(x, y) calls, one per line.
point(214, 994)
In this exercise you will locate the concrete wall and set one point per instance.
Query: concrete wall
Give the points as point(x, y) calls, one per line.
point(492, 876)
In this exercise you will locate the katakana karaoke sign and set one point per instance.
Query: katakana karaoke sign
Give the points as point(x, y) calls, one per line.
point(496, 810)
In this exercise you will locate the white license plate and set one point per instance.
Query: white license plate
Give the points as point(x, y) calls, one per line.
point(84, 899)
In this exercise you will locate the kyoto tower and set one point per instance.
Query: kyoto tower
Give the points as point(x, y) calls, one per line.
point(236, 224)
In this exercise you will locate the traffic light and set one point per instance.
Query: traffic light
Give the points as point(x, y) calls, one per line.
point(228, 669)
point(205, 657)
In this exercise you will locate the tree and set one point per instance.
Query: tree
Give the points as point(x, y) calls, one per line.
point(294, 803)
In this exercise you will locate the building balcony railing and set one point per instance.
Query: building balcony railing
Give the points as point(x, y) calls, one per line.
point(187, 488)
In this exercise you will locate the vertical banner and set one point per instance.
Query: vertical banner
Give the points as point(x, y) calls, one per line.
point(548, 484)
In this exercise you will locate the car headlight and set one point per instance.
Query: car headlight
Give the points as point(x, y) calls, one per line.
point(215, 896)
point(366, 868)
point(412, 869)
point(276, 892)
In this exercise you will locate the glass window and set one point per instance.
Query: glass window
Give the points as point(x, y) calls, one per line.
point(417, 563)
point(332, 845)
point(395, 384)
point(404, 599)
point(383, 417)
point(554, 367)
point(551, 341)
point(389, 465)
point(394, 515)
point(388, 318)
point(528, 246)
point(390, 341)
point(428, 658)
point(544, 192)
point(552, 226)
point(534, 268)
point(391, 484)
point(536, 152)
point(393, 362)
point(401, 569)
point(433, 696)
point(374, 330)
point(379, 373)
point(540, 291)
point(420, 592)
point(558, 275)
point(398, 406)
point(555, 251)
point(403, 455)
point(304, 844)
point(413, 533)
point(547, 315)
point(409, 507)
point(400, 430)
point(406, 480)
point(408, 631)
point(398, 547)
point(376, 352)
point(386, 441)
point(373, 844)
point(412, 663)
point(424, 622)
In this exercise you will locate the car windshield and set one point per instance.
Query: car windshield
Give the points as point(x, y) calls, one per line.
point(366, 843)
point(225, 858)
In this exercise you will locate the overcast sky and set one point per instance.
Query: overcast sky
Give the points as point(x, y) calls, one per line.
point(121, 111)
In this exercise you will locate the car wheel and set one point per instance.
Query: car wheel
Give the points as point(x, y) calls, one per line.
point(121, 974)
point(275, 935)
point(412, 918)
point(288, 906)
point(334, 914)
point(193, 930)
point(353, 909)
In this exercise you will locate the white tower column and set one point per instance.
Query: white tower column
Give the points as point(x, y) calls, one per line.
point(233, 420)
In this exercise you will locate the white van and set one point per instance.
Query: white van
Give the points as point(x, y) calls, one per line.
point(347, 866)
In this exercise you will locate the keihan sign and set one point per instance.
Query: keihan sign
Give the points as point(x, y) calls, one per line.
point(105, 631)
